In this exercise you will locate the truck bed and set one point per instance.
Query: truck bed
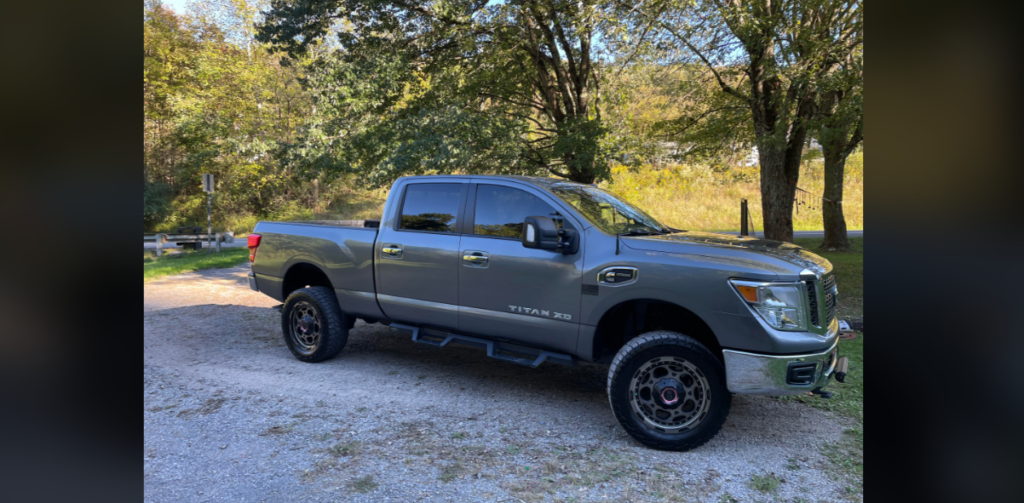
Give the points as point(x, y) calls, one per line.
point(299, 252)
point(368, 223)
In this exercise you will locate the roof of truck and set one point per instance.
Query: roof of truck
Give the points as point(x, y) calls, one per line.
point(542, 181)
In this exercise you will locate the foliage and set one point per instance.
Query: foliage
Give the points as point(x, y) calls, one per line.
point(216, 102)
point(371, 90)
point(434, 87)
point(767, 59)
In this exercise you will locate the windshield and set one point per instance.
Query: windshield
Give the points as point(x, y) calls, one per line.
point(607, 212)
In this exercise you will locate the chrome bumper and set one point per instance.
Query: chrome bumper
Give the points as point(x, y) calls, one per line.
point(754, 374)
point(252, 281)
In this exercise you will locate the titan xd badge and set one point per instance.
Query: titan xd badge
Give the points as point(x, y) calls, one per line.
point(539, 312)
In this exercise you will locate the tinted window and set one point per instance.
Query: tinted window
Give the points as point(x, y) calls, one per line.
point(500, 211)
point(431, 207)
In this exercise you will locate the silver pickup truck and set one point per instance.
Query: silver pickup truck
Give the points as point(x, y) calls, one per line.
point(542, 270)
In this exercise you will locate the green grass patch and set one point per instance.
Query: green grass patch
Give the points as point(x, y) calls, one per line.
point(154, 267)
point(363, 484)
point(849, 271)
point(847, 398)
point(768, 483)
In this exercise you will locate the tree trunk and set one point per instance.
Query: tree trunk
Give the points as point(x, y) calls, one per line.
point(832, 212)
point(776, 194)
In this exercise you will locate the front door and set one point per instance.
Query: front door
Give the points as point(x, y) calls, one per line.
point(510, 292)
point(418, 256)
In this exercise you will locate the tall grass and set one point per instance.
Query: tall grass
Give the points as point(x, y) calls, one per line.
point(699, 198)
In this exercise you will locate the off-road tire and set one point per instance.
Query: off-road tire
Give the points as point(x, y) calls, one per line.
point(334, 323)
point(640, 351)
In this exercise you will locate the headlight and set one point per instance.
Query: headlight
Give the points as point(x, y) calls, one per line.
point(781, 305)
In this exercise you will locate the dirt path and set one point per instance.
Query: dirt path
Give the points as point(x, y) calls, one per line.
point(230, 415)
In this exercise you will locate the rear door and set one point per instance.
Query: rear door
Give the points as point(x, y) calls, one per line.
point(510, 292)
point(418, 254)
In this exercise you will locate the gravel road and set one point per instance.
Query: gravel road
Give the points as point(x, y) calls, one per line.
point(230, 415)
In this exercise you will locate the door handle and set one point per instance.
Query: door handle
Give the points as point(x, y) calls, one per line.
point(475, 258)
point(394, 251)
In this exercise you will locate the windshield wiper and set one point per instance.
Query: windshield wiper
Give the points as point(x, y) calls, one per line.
point(641, 232)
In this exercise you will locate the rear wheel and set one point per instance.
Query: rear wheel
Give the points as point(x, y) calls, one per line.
point(315, 328)
point(668, 391)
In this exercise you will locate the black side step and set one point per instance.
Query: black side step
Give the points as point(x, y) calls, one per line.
point(523, 355)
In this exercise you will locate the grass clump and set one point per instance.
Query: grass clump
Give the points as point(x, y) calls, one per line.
point(768, 483)
point(346, 449)
point(363, 484)
point(154, 267)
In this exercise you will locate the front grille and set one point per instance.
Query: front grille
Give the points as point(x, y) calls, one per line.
point(812, 300)
point(828, 285)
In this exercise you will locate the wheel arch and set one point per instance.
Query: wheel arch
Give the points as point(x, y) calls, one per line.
point(631, 318)
point(301, 275)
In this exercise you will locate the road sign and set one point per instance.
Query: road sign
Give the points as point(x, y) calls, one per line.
point(208, 188)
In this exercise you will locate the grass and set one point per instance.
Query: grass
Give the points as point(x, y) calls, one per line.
point(768, 483)
point(698, 198)
point(154, 267)
point(363, 484)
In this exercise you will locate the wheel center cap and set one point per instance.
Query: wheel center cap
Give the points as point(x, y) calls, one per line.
point(669, 396)
point(303, 323)
point(668, 391)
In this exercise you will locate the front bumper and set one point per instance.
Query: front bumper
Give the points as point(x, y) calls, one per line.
point(756, 374)
point(252, 281)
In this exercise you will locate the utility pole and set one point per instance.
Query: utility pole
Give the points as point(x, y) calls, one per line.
point(208, 188)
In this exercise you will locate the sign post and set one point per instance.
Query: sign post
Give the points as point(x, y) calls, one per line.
point(208, 188)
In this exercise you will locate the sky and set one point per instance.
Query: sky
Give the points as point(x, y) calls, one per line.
point(177, 5)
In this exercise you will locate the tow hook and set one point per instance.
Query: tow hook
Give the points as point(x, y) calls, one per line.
point(823, 393)
point(841, 367)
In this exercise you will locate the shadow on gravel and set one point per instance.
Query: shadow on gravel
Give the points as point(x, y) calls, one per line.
point(244, 346)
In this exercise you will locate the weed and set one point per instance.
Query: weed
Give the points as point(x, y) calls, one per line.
point(450, 472)
point(421, 376)
point(392, 372)
point(459, 435)
point(362, 484)
point(768, 483)
point(277, 430)
point(513, 449)
point(346, 449)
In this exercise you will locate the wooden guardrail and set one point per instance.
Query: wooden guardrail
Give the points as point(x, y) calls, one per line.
point(161, 238)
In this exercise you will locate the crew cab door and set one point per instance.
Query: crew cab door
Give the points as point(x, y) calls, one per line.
point(417, 254)
point(510, 292)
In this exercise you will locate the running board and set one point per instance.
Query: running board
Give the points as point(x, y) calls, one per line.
point(514, 353)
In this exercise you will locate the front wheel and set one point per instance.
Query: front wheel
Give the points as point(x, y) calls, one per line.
point(668, 391)
point(315, 329)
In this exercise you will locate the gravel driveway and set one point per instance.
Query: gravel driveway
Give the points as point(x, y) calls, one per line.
point(230, 415)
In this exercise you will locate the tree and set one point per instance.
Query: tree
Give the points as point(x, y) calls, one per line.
point(423, 85)
point(839, 129)
point(767, 56)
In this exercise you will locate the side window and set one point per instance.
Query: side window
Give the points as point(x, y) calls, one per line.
point(500, 211)
point(431, 207)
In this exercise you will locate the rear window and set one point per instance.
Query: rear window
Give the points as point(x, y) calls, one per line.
point(431, 207)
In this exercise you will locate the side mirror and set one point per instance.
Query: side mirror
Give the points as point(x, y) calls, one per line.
point(542, 233)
